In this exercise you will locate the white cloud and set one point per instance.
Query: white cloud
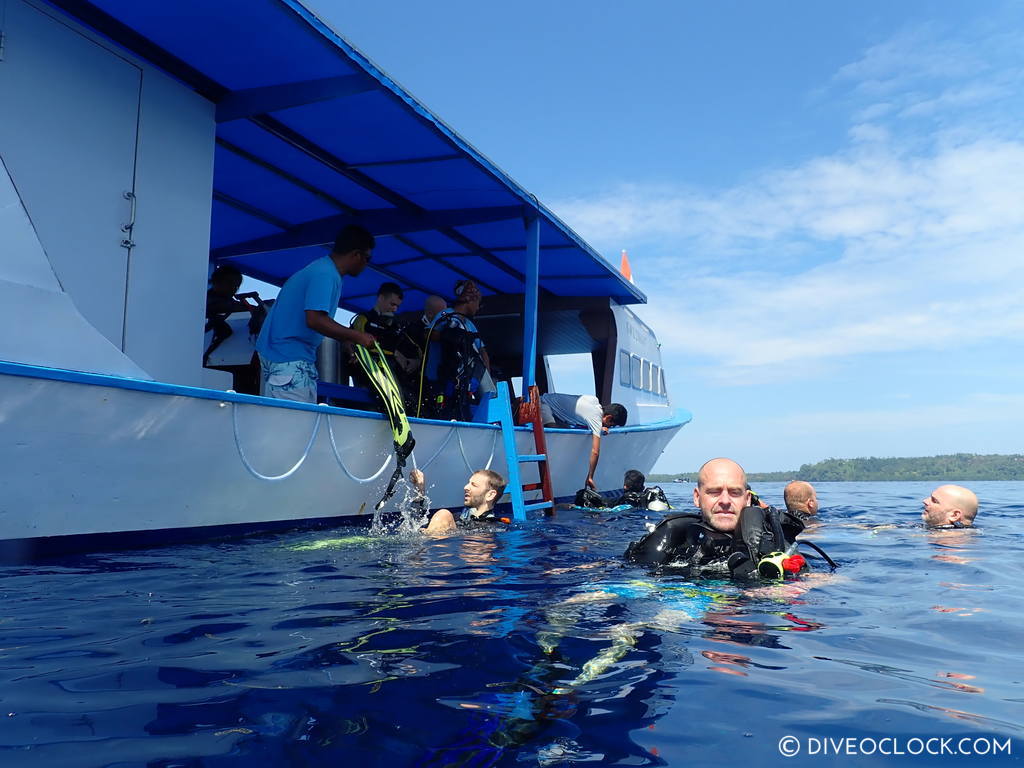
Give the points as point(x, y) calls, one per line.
point(909, 59)
point(930, 253)
point(902, 241)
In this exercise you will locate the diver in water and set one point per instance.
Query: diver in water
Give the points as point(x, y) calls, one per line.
point(730, 537)
point(637, 494)
point(480, 494)
point(801, 499)
point(950, 506)
point(634, 494)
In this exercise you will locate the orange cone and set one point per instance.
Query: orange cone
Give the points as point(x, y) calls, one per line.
point(624, 267)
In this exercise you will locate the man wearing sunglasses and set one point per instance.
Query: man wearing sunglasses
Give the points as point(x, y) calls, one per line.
point(304, 313)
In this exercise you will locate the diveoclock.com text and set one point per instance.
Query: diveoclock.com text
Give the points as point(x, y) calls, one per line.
point(791, 746)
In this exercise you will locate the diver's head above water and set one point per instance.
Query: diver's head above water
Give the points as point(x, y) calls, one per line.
point(801, 498)
point(950, 505)
point(721, 493)
point(483, 489)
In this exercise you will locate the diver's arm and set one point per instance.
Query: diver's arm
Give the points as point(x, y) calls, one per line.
point(595, 455)
point(321, 322)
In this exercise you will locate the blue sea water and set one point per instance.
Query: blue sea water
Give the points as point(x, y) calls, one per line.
point(532, 646)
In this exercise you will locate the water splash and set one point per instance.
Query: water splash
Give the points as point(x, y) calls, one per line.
point(403, 517)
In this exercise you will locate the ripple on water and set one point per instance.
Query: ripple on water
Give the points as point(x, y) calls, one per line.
point(536, 645)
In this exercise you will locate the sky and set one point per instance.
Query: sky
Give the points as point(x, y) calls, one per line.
point(824, 202)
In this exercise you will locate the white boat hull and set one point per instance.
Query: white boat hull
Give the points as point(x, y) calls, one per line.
point(88, 454)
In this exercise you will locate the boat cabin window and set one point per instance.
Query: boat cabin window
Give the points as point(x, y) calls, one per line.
point(664, 392)
point(655, 379)
point(624, 368)
point(636, 372)
point(647, 375)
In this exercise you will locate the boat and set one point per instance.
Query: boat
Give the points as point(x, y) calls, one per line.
point(143, 143)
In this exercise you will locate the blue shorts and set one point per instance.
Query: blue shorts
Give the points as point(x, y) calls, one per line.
point(291, 380)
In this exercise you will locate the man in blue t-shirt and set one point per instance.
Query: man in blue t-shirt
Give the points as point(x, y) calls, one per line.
point(304, 313)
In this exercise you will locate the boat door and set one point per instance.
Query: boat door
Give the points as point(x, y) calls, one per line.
point(68, 135)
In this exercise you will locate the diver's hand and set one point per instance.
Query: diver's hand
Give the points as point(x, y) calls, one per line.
point(363, 339)
point(419, 480)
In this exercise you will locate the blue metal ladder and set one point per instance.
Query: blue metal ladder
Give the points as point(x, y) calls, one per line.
point(514, 459)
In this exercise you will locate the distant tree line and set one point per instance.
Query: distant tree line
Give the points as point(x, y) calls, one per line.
point(956, 466)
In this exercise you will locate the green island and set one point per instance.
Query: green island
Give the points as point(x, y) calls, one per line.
point(952, 467)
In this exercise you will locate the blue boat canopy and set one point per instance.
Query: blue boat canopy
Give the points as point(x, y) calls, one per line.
point(311, 136)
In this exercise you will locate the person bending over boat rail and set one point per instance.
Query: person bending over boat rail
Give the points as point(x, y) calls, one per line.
point(304, 313)
point(583, 411)
point(480, 494)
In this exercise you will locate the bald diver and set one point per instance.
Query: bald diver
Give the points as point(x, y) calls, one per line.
point(732, 536)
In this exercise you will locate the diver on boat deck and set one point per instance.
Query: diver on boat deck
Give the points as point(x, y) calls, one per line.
point(801, 499)
point(304, 313)
point(380, 320)
point(950, 506)
point(480, 494)
point(400, 350)
point(464, 371)
point(424, 387)
point(223, 300)
point(424, 333)
point(731, 537)
point(432, 305)
point(583, 411)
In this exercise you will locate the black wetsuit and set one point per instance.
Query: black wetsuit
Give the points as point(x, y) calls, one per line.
point(465, 518)
point(591, 499)
point(461, 367)
point(383, 327)
point(685, 540)
point(641, 499)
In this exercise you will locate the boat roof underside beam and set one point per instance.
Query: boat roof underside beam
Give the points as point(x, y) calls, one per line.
point(387, 221)
point(272, 98)
point(291, 166)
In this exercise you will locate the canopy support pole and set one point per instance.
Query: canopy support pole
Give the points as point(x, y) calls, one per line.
point(530, 393)
point(532, 275)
